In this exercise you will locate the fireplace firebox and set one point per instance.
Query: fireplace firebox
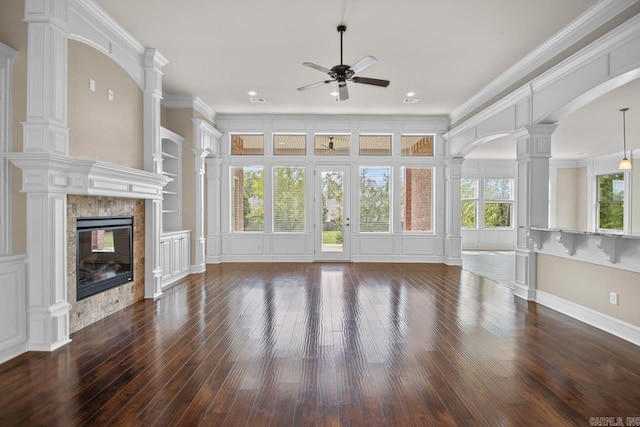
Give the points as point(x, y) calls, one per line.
point(104, 254)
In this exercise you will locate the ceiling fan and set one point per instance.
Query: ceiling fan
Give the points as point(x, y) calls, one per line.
point(343, 73)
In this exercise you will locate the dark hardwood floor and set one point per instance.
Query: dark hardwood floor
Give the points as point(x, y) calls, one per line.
point(328, 344)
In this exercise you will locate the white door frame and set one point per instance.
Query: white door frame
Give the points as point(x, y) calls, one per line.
point(345, 254)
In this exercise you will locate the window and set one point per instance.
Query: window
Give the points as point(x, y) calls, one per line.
point(247, 195)
point(375, 199)
point(498, 202)
point(326, 145)
point(416, 199)
point(611, 201)
point(375, 145)
point(469, 192)
point(289, 202)
point(417, 145)
point(289, 145)
point(247, 145)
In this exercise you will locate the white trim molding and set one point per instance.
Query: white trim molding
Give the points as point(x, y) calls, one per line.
point(6, 88)
point(13, 323)
point(609, 62)
point(609, 324)
point(589, 21)
point(189, 102)
point(65, 175)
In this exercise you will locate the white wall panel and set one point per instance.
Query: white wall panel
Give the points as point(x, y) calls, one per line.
point(13, 307)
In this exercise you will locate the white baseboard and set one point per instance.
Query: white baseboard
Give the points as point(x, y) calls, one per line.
point(12, 352)
point(609, 324)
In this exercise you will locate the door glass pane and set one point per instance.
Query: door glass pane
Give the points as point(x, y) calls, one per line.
point(332, 209)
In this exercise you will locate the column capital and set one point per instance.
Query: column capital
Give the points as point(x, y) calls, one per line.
point(535, 141)
point(54, 12)
point(535, 130)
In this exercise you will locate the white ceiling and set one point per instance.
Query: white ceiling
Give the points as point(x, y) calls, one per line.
point(444, 51)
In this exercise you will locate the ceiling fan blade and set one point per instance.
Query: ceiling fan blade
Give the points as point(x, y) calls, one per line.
point(365, 62)
point(370, 81)
point(312, 85)
point(343, 92)
point(316, 67)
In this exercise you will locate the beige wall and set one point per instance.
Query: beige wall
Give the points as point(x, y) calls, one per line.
point(99, 129)
point(571, 198)
point(566, 198)
point(13, 33)
point(582, 191)
point(589, 285)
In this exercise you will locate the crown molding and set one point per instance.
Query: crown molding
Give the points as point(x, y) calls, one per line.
point(189, 101)
point(594, 17)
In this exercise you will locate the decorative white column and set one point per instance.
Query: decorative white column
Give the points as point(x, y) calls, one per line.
point(534, 151)
point(453, 242)
point(153, 63)
point(214, 240)
point(46, 139)
point(206, 141)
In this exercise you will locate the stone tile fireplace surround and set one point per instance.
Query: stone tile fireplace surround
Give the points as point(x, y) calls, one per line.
point(91, 309)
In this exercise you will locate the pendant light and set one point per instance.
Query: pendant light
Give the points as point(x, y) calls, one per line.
point(625, 164)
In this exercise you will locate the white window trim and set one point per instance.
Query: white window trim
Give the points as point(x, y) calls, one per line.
point(606, 168)
point(6, 86)
point(511, 201)
point(476, 202)
point(272, 167)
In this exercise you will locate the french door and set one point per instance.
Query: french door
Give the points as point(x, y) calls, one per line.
point(332, 217)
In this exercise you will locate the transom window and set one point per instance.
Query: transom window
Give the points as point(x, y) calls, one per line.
point(332, 145)
point(289, 145)
point(375, 145)
point(417, 145)
point(247, 144)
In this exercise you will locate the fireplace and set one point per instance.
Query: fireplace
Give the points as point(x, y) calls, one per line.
point(104, 254)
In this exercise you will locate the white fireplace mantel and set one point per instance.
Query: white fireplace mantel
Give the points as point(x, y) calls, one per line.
point(44, 172)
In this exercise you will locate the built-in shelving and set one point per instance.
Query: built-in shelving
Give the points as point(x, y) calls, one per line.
point(172, 168)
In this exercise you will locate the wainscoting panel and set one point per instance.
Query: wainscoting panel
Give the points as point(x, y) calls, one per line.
point(13, 306)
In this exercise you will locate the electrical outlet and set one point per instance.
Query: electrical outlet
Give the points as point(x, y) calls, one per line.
point(92, 85)
point(613, 298)
point(110, 94)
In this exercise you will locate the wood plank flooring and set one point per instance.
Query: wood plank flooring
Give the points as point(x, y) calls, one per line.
point(328, 345)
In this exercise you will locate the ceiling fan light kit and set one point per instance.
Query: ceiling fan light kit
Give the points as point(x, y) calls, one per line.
point(343, 73)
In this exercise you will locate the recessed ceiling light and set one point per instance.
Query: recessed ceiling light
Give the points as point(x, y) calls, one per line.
point(252, 93)
point(334, 94)
point(410, 100)
point(411, 93)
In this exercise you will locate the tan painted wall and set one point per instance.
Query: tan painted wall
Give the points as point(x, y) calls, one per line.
point(589, 285)
point(582, 191)
point(566, 198)
point(13, 33)
point(99, 129)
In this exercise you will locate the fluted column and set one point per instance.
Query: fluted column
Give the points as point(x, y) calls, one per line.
point(534, 151)
point(153, 63)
